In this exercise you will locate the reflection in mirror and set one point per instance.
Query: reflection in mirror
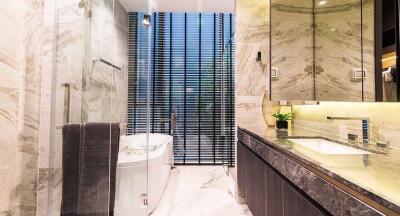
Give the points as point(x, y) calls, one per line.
point(334, 50)
point(386, 50)
point(338, 58)
point(292, 50)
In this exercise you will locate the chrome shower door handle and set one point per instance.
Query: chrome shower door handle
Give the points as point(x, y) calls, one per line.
point(67, 102)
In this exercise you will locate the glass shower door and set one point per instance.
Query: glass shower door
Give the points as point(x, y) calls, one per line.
point(227, 115)
point(93, 162)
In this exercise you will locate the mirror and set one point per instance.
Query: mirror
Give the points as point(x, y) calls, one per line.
point(292, 57)
point(333, 50)
point(386, 50)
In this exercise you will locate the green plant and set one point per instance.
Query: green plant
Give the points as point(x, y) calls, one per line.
point(283, 116)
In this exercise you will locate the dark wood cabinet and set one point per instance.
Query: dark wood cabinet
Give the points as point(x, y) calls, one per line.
point(274, 193)
point(296, 204)
point(267, 193)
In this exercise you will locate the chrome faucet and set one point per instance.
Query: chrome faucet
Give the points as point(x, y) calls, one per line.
point(364, 125)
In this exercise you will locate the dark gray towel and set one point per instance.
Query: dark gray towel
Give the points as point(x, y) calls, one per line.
point(98, 167)
point(70, 168)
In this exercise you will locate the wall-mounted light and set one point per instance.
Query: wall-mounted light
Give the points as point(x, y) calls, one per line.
point(146, 20)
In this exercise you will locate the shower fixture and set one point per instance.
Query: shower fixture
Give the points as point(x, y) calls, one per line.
point(115, 67)
point(107, 63)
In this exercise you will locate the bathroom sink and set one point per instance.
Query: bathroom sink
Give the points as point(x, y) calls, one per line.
point(328, 147)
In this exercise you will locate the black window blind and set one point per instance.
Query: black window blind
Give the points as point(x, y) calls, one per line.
point(186, 70)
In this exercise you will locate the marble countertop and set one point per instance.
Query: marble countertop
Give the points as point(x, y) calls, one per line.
point(376, 175)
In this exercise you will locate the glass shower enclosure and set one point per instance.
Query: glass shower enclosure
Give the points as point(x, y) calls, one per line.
point(90, 152)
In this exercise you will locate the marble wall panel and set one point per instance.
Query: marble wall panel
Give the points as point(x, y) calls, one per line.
point(11, 73)
point(252, 36)
point(28, 145)
point(20, 84)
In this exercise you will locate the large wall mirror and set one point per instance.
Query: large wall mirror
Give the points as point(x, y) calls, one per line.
point(334, 50)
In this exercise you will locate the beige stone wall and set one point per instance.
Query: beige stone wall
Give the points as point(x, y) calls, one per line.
point(21, 22)
point(252, 36)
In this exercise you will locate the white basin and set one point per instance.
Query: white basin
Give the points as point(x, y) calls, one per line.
point(327, 147)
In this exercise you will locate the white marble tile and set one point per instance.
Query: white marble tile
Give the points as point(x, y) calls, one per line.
point(200, 190)
point(252, 80)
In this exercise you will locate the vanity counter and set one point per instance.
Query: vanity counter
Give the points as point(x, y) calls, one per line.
point(374, 179)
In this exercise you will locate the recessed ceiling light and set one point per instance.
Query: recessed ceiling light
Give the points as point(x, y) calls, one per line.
point(323, 2)
point(333, 29)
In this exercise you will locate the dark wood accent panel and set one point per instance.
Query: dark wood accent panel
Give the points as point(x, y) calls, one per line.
point(241, 170)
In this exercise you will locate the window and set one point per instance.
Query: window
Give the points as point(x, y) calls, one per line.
point(186, 50)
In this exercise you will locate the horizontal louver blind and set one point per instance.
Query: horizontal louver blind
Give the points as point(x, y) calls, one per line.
point(186, 79)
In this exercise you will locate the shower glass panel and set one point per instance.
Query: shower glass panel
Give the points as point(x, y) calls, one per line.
point(92, 166)
point(227, 113)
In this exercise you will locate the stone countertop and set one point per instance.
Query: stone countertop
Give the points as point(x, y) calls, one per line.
point(376, 175)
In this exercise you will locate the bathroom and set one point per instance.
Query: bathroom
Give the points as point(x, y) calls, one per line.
point(199, 107)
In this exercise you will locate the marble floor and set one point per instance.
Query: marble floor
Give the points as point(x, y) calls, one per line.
point(200, 190)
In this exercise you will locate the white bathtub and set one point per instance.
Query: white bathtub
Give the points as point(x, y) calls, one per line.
point(132, 181)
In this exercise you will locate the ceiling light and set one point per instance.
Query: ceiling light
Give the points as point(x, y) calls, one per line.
point(146, 20)
point(323, 2)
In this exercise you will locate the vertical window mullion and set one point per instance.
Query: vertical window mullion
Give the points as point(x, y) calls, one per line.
point(170, 71)
point(230, 92)
point(199, 102)
point(214, 88)
point(184, 90)
point(154, 51)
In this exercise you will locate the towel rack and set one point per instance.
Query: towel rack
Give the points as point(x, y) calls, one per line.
point(59, 127)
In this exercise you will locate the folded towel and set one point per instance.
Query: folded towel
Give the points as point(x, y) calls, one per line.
point(70, 168)
point(98, 167)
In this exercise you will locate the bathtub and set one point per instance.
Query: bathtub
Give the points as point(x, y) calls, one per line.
point(133, 181)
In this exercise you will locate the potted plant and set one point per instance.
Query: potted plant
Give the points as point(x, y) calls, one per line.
point(282, 119)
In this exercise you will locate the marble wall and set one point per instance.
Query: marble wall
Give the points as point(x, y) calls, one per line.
point(20, 90)
point(384, 119)
point(252, 32)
